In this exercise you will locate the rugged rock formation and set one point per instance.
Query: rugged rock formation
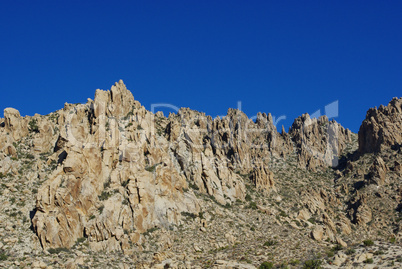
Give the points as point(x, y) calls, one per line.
point(191, 188)
point(377, 172)
point(122, 168)
point(319, 142)
point(14, 124)
point(381, 128)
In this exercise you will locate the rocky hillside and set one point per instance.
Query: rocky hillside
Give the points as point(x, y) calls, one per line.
point(190, 191)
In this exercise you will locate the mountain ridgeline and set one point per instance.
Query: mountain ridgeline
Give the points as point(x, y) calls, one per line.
point(122, 179)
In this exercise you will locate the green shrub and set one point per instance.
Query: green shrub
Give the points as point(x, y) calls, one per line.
point(330, 253)
point(312, 264)
point(80, 240)
point(379, 252)
point(107, 184)
point(57, 250)
point(151, 168)
point(33, 126)
point(151, 230)
point(368, 243)
point(193, 186)
point(350, 251)
point(3, 256)
point(266, 265)
point(270, 243)
point(248, 197)
point(188, 214)
point(252, 205)
point(370, 260)
point(337, 248)
point(311, 220)
point(294, 262)
point(104, 196)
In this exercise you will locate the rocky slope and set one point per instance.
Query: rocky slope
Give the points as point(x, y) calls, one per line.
point(188, 191)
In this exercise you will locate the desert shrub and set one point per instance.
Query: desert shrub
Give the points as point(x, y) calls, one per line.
point(311, 220)
point(193, 186)
point(337, 248)
point(379, 252)
point(3, 256)
point(151, 168)
point(57, 250)
point(266, 265)
point(294, 262)
point(312, 264)
point(104, 196)
point(188, 214)
point(270, 243)
point(350, 251)
point(33, 126)
point(80, 240)
point(252, 205)
point(370, 260)
point(368, 243)
point(151, 230)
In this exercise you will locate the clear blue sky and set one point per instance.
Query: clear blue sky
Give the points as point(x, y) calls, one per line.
point(283, 57)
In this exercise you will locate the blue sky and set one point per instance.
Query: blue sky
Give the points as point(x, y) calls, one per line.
point(282, 57)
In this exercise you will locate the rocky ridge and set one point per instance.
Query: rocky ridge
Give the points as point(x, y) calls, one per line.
point(110, 176)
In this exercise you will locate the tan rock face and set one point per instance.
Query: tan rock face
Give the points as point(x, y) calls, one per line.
point(377, 173)
point(381, 128)
point(319, 142)
point(263, 178)
point(360, 212)
point(318, 233)
point(123, 170)
point(15, 124)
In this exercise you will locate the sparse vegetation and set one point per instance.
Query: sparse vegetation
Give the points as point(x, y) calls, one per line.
point(3, 256)
point(270, 243)
point(33, 126)
point(150, 231)
point(368, 243)
point(57, 250)
point(104, 196)
point(312, 264)
point(350, 251)
point(151, 168)
point(266, 265)
point(369, 261)
point(189, 214)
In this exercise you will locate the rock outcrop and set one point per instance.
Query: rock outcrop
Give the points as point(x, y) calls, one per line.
point(15, 124)
point(122, 168)
point(187, 189)
point(319, 142)
point(381, 128)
